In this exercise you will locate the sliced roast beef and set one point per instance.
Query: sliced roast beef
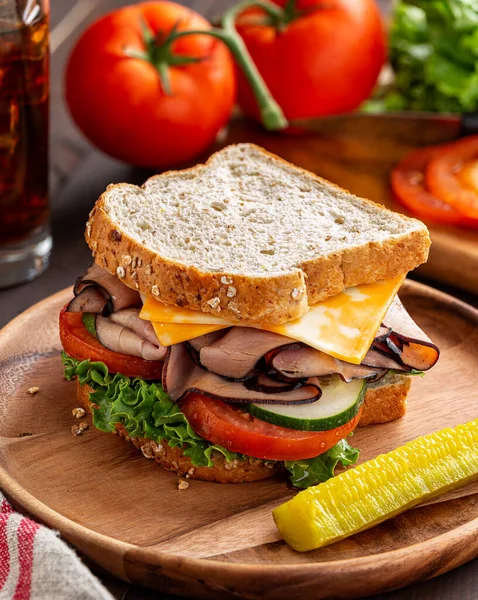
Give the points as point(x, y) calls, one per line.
point(261, 382)
point(206, 340)
point(236, 353)
point(129, 318)
point(90, 299)
point(382, 333)
point(409, 345)
point(384, 360)
point(116, 294)
point(182, 375)
point(304, 361)
point(399, 344)
point(120, 339)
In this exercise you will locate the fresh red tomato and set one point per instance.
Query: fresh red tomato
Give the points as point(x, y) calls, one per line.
point(410, 188)
point(118, 94)
point(221, 423)
point(324, 59)
point(443, 176)
point(78, 342)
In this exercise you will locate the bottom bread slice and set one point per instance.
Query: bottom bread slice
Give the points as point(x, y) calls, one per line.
point(385, 401)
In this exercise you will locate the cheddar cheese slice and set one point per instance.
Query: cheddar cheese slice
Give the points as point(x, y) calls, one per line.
point(343, 326)
point(175, 333)
point(155, 311)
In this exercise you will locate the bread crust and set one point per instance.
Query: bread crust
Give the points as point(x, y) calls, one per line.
point(382, 404)
point(267, 300)
point(387, 402)
point(363, 264)
point(173, 459)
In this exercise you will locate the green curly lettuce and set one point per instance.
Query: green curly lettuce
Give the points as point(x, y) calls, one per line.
point(434, 55)
point(145, 410)
point(305, 473)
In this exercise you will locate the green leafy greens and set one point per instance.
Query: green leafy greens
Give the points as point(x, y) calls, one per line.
point(89, 321)
point(434, 54)
point(305, 473)
point(145, 410)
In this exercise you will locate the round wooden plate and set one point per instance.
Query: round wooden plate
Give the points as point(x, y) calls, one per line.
point(211, 540)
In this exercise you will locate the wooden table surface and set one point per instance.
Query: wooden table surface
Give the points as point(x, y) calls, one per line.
point(79, 174)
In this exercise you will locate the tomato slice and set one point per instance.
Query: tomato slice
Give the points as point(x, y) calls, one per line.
point(221, 423)
point(79, 343)
point(468, 175)
point(410, 188)
point(442, 176)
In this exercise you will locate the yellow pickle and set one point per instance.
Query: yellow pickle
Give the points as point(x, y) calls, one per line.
point(380, 488)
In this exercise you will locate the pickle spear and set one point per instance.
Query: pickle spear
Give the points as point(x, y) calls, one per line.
point(380, 488)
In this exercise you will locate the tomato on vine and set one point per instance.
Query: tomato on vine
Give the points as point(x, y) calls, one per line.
point(317, 57)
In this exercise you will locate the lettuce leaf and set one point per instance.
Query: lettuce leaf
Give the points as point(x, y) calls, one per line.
point(434, 54)
point(313, 471)
point(143, 408)
point(414, 372)
point(146, 410)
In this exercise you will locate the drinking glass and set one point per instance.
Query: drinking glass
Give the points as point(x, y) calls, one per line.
point(25, 240)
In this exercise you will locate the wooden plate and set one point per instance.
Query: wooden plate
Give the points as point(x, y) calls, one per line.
point(212, 540)
point(363, 167)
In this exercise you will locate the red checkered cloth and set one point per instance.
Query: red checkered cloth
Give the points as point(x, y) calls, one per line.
point(35, 564)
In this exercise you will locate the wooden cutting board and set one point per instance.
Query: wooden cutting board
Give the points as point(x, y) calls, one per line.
point(363, 166)
point(211, 540)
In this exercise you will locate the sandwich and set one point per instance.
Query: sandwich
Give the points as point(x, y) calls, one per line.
point(241, 319)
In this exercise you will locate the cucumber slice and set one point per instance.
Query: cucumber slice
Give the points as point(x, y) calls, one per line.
point(339, 403)
point(89, 321)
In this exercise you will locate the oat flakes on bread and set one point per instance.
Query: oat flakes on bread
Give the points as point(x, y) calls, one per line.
point(248, 237)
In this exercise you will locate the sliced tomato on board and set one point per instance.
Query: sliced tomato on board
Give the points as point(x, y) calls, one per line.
point(79, 343)
point(468, 175)
point(410, 188)
point(223, 424)
point(443, 176)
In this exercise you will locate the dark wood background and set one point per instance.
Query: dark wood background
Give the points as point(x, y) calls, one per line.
point(79, 174)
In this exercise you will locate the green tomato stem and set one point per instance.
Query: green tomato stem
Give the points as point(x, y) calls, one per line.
point(163, 70)
point(271, 113)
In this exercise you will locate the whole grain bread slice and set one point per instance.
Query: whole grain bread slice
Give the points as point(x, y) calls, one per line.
point(248, 237)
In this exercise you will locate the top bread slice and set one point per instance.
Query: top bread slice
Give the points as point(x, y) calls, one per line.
point(248, 237)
